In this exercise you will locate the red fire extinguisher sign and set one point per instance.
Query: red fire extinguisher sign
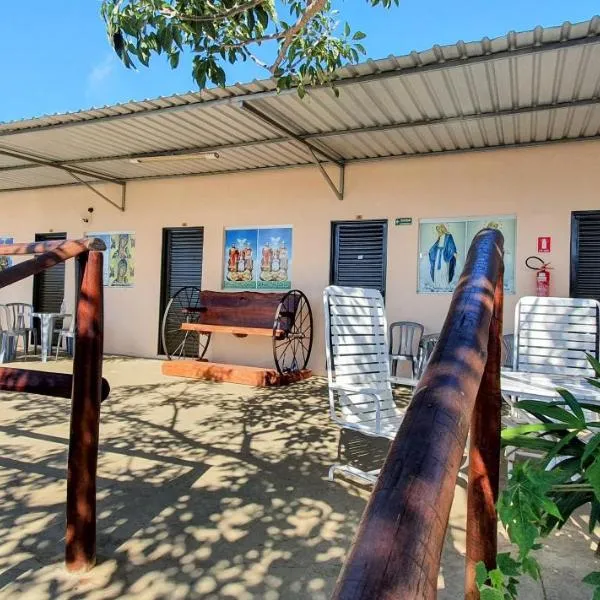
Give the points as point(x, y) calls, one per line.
point(544, 244)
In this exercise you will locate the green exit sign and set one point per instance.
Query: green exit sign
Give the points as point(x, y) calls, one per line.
point(403, 221)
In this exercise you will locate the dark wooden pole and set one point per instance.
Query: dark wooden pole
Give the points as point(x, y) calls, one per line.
point(58, 385)
point(80, 551)
point(484, 457)
point(397, 550)
point(41, 262)
point(42, 247)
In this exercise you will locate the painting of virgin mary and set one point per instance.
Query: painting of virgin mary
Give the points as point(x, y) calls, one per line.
point(442, 258)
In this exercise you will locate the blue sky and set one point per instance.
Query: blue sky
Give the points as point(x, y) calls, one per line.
point(54, 56)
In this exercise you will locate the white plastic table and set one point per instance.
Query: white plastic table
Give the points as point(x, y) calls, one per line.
point(539, 386)
point(47, 320)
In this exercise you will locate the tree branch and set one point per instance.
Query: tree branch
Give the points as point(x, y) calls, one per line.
point(217, 16)
point(313, 9)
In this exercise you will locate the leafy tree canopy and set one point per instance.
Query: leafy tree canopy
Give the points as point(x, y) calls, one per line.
point(299, 42)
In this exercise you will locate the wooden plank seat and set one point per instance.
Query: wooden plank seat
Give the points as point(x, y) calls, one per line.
point(239, 331)
point(284, 316)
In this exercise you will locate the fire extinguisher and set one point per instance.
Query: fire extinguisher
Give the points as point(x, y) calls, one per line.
point(542, 276)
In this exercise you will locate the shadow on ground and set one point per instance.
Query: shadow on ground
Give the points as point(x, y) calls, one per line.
point(205, 491)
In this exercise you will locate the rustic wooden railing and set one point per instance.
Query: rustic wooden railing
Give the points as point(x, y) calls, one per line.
point(397, 551)
point(85, 387)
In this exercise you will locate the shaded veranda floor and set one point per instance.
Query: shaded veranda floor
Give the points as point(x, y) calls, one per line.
point(205, 491)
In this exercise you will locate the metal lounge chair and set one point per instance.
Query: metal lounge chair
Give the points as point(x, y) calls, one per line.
point(358, 368)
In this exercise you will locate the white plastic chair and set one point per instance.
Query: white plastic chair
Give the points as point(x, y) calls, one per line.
point(66, 334)
point(358, 368)
point(552, 335)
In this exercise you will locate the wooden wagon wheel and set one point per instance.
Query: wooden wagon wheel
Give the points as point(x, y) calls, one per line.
point(292, 333)
point(183, 307)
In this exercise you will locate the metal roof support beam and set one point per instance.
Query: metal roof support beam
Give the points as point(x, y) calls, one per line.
point(104, 197)
point(322, 135)
point(75, 172)
point(313, 149)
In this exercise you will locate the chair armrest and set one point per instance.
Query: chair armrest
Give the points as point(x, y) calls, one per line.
point(355, 389)
point(408, 381)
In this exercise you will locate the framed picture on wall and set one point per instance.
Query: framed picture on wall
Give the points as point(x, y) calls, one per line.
point(258, 258)
point(119, 257)
point(443, 247)
point(6, 261)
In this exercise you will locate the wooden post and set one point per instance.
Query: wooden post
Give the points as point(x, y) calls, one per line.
point(484, 457)
point(397, 551)
point(80, 552)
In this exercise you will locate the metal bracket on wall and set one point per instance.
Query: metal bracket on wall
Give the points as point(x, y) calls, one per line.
point(313, 149)
point(76, 172)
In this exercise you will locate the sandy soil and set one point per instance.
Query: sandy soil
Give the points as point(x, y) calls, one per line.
point(207, 491)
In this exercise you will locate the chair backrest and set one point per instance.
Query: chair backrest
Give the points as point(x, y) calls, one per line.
point(552, 335)
point(405, 337)
point(19, 314)
point(426, 347)
point(4, 318)
point(356, 346)
point(508, 350)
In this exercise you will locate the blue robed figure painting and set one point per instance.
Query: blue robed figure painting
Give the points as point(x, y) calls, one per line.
point(442, 258)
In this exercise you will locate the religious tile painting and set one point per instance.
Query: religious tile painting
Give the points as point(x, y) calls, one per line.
point(6, 261)
point(119, 258)
point(258, 258)
point(443, 247)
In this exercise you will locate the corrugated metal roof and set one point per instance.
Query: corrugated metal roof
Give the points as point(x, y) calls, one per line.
point(530, 87)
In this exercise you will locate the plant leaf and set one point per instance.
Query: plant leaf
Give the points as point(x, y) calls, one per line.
point(507, 564)
point(488, 593)
point(481, 574)
point(573, 403)
point(590, 448)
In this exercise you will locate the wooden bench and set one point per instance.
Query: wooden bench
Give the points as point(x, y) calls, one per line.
point(284, 317)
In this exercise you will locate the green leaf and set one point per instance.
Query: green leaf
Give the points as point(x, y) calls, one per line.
point(488, 593)
point(531, 567)
point(481, 574)
point(174, 60)
point(548, 409)
point(507, 564)
point(496, 579)
point(590, 448)
point(573, 403)
point(592, 578)
point(346, 30)
point(595, 363)
point(593, 475)
point(508, 434)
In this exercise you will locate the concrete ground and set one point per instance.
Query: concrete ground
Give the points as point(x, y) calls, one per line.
point(207, 491)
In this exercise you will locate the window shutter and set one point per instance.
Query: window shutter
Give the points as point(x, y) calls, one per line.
point(181, 267)
point(585, 255)
point(184, 259)
point(359, 254)
point(49, 285)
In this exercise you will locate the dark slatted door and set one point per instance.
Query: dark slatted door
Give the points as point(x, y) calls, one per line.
point(181, 263)
point(358, 254)
point(585, 254)
point(49, 285)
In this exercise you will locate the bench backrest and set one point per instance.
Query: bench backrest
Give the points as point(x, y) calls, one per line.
point(241, 309)
point(552, 335)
